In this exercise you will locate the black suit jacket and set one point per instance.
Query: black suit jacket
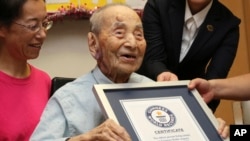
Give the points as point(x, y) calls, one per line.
point(211, 54)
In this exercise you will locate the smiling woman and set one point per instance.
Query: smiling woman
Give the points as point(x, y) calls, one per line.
point(23, 88)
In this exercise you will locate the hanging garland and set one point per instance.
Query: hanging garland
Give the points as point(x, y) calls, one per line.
point(76, 12)
point(71, 11)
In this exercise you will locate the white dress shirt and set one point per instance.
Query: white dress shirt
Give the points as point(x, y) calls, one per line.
point(191, 27)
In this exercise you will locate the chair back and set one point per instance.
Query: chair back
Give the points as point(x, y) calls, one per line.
point(241, 112)
point(58, 82)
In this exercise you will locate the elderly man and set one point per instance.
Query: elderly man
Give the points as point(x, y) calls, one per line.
point(117, 43)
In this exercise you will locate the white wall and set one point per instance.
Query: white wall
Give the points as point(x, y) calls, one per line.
point(65, 51)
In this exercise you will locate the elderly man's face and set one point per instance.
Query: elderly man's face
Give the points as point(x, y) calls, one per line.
point(121, 42)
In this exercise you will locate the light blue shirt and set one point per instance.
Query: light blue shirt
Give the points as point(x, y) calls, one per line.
point(73, 109)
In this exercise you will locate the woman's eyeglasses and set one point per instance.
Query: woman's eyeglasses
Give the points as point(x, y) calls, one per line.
point(36, 28)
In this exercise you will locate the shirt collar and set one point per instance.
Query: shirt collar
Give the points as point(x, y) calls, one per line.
point(99, 77)
point(198, 17)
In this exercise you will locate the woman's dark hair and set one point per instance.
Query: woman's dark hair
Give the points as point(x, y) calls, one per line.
point(10, 10)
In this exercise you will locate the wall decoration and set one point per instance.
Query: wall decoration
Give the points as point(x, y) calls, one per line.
point(81, 9)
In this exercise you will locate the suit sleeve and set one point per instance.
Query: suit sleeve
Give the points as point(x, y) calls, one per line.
point(155, 55)
point(224, 56)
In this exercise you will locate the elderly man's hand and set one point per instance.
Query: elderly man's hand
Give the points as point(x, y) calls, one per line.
point(107, 131)
point(223, 129)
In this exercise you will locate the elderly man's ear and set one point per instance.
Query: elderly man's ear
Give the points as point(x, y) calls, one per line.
point(93, 45)
point(3, 31)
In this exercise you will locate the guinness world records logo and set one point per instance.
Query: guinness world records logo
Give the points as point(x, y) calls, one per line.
point(160, 116)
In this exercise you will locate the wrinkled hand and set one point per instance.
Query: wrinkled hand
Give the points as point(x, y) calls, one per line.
point(167, 76)
point(203, 87)
point(107, 131)
point(223, 129)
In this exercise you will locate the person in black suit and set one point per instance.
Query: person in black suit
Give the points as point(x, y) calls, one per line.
point(171, 53)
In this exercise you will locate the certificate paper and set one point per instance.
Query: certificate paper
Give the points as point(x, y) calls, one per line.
point(158, 111)
point(161, 122)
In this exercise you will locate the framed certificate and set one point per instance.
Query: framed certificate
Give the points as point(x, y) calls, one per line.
point(158, 111)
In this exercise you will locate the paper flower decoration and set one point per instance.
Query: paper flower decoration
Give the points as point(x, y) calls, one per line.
point(76, 12)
